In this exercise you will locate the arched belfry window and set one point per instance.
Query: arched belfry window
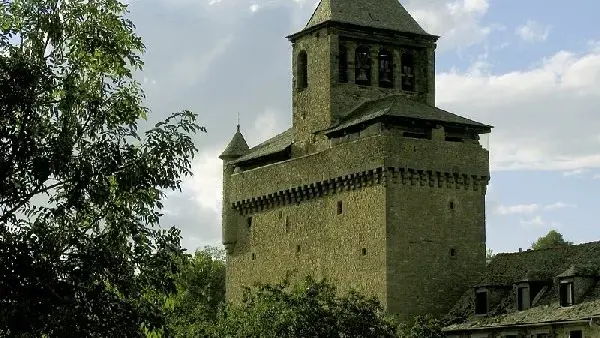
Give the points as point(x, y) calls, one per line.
point(363, 66)
point(408, 72)
point(302, 71)
point(343, 64)
point(386, 73)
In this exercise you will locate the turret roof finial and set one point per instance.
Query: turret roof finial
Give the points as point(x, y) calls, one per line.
point(238, 122)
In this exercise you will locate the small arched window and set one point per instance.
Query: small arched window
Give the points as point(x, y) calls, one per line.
point(343, 65)
point(363, 66)
point(386, 73)
point(302, 71)
point(408, 72)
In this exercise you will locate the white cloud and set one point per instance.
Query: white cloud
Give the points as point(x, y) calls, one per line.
point(266, 125)
point(533, 31)
point(536, 221)
point(516, 209)
point(537, 113)
point(190, 68)
point(575, 172)
point(596, 177)
point(528, 208)
point(559, 205)
point(458, 22)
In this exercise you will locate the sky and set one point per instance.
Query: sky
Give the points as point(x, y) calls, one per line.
point(529, 68)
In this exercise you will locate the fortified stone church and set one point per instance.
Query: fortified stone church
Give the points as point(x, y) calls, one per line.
point(372, 187)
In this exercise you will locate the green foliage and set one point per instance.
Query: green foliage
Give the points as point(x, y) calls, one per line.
point(311, 309)
point(90, 261)
point(201, 294)
point(422, 327)
point(551, 240)
point(489, 254)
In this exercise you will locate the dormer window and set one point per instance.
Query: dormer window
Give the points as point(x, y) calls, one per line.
point(523, 298)
point(386, 74)
point(481, 302)
point(363, 66)
point(567, 293)
point(408, 72)
point(576, 334)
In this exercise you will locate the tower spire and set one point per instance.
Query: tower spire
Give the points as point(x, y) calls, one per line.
point(238, 122)
point(382, 14)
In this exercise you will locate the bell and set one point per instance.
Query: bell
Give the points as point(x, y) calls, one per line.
point(385, 77)
point(362, 75)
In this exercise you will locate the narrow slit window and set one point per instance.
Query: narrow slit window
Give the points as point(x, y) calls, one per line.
point(302, 71)
point(452, 252)
point(249, 222)
point(340, 207)
point(364, 251)
point(287, 224)
point(298, 248)
point(253, 256)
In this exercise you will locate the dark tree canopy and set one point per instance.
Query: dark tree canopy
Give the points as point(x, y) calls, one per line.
point(81, 249)
point(551, 240)
point(311, 309)
point(201, 293)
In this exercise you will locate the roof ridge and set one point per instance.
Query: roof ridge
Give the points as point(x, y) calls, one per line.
point(556, 248)
point(270, 139)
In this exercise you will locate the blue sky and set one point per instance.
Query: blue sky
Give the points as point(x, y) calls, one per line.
point(530, 68)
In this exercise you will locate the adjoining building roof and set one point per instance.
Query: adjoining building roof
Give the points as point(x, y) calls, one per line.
point(382, 14)
point(548, 264)
point(271, 146)
point(236, 147)
point(400, 106)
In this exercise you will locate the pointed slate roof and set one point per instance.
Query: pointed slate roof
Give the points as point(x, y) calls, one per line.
point(400, 106)
point(237, 146)
point(276, 144)
point(383, 14)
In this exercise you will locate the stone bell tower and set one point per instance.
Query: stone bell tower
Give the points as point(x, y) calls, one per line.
point(353, 51)
point(372, 187)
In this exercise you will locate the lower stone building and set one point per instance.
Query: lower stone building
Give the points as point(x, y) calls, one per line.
point(534, 294)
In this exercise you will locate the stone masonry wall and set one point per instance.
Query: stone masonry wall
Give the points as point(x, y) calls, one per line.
point(406, 183)
point(311, 238)
point(435, 222)
point(330, 244)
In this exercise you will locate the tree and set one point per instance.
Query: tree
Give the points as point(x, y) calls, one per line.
point(310, 309)
point(551, 240)
point(92, 260)
point(422, 327)
point(201, 294)
point(489, 255)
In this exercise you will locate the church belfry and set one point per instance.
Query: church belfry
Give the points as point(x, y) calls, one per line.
point(351, 52)
point(372, 187)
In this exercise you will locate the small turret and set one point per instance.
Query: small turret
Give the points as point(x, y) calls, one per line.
point(236, 148)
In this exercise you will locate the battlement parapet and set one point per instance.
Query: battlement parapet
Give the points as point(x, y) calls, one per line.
point(380, 175)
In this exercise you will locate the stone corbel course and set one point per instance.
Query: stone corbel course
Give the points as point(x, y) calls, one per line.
point(358, 180)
